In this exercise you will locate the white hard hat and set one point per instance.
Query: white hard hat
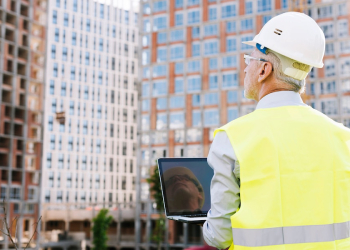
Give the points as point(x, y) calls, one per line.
point(295, 36)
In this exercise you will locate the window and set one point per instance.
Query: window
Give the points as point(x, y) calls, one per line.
point(176, 52)
point(177, 120)
point(146, 25)
point(74, 38)
point(162, 121)
point(228, 11)
point(179, 68)
point(264, 5)
point(57, 35)
point(146, 59)
point(66, 19)
point(161, 37)
point(266, 19)
point(213, 81)
point(330, 68)
point(177, 102)
point(211, 117)
point(329, 107)
point(161, 54)
point(160, 70)
point(194, 84)
point(329, 49)
point(231, 27)
point(212, 13)
point(342, 9)
point(192, 2)
point(211, 99)
point(159, 6)
point(179, 3)
point(196, 100)
point(327, 29)
point(232, 113)
point(179, 19)
point(145, 122)
point(52, 142)
point(328, 87)
point(229, 80)
point(15, 193)
point(160, 88)
point(179, 85)
point(229, 62)
point(245, 39)
point(72, 72)
point(196, 32)
point(64, 53)
point(345, 67)
point(145, 105)
point(284, 4)
point(193, 17)
point(247, 24)
point(55, 70)
point(196, 49)
point(50, 121)
point(213, 63)
point(53, 51)
point(325, 11)
point(231, 44)
point(343, 28)
point(196, 118)
point(100, 47)
point(162, 103)
point(193, 66)
point(63, 89)
point(54, 16)
point(145, 89)
point(159, 23)
point(232, 96)
point(345, 46)
point(248, 7)
point(177, 35)
point(211, 48)
point(211, 30)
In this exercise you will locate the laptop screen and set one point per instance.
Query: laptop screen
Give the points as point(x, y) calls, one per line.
point(185, 185)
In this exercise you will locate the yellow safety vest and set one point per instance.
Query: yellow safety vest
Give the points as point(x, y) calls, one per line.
point(295, 180)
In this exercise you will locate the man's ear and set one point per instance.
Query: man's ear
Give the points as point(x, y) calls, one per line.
point(265, 70)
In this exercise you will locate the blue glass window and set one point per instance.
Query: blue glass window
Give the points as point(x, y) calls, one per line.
point(248, 7)
point(177, 120)
point(88, 25)
point(192, 2)
point(145, 105)
point(211, 30)
point(58, 3)
point(212, 13)
point(100, 47)
point(179, 19)
point(211, 48)
point(211, 99)
point(54, 16)
point(228, 11)
point(232, 113)
point(159, 23)
point(231, 27)
point(177, 102)
point(159, 6)
point(74, 38)
point(196, 32)
point(55, 70)
point(146, 25)
point(193, 17)
point(66, 19)
point(162, 103)
point(213, 82)
point(247, 24)
point(53, 51)
point(264, 5)
point(162, 121)
point(245, 39)
point(161, 38)
point(211, 117)
point(146, 59)
point(177, 35)
point(229, 62)
point(284, 4)
point(102, 10)
point(145, 89)
point(196, 118)
point(179, 3)
point(50, 127)
point(196, 49)
point(231, 44)
point(266, 19)
point(146, 72)
point(179, 68)
point(229, 80)
point(177, 52)
point(194, 84)
point(160, 88)
point(161, 54)
point(232, 96)
point(196, 100)
point(193, 66)
point(75, 5)
point(179, 85)
point(52, 87)
point(63, 89)
point(160, 70)
point(213, 63)
point(72, 72)
point(57, 35)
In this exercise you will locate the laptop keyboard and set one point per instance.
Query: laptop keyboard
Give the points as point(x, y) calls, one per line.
point(194, 215)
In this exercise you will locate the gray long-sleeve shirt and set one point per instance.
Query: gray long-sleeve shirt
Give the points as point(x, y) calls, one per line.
point(224, 189)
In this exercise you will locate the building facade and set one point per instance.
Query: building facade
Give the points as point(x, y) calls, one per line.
point(90, 131)
point(22, 69)
point(192, 77)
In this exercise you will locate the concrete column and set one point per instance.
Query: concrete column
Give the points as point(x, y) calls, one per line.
point(148, 225)
point(185, 226)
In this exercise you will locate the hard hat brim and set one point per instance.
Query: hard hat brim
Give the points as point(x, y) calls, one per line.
point(251, 43)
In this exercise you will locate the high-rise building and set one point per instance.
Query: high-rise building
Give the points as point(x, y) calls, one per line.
point(89, 156)
point(192, 78)
point(22, 68)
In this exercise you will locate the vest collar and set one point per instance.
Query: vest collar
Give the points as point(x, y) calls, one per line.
point(279, 99)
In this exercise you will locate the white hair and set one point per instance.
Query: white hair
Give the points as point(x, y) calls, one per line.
point(296, 85)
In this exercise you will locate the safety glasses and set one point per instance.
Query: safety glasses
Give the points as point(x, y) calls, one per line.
point(247, 59)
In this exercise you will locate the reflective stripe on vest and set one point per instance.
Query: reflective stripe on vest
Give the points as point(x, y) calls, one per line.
point(290, 235)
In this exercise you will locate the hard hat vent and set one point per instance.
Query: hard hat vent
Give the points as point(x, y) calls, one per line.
point(278, 32)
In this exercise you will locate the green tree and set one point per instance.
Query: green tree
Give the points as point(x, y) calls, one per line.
point(156, 192)
point(99, 229)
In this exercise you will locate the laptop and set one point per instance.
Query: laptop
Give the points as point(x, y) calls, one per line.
point(185, 186)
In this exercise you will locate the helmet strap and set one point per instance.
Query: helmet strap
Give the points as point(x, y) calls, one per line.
point(261, 48)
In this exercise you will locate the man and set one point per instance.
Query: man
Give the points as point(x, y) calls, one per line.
point(281, 173)
point(183, 190)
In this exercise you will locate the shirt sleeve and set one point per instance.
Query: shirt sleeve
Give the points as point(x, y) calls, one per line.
point(224, 193)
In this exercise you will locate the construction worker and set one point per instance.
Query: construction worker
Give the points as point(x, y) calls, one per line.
point(281, 173)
